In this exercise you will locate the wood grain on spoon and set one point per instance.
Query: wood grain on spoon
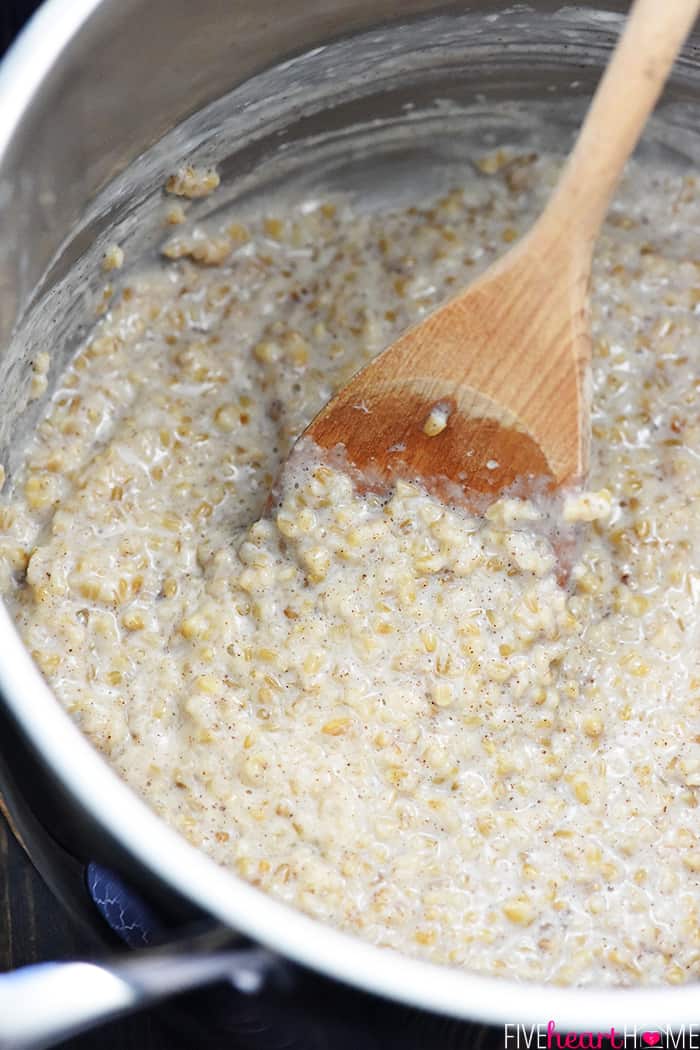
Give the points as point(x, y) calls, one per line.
point(492, 390)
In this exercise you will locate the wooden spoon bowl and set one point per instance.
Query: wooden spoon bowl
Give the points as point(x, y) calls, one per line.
point(491, 392)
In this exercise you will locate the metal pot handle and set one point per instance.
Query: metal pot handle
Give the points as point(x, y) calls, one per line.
point(43, 1004)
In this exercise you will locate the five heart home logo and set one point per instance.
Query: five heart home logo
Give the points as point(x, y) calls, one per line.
point(548, 1037)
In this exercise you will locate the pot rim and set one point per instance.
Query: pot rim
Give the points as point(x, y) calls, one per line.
point(35, 50)
point(162, 850)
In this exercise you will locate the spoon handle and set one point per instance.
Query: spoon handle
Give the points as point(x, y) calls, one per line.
point(623, 101)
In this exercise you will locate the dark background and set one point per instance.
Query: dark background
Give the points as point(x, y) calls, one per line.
point(13, 15)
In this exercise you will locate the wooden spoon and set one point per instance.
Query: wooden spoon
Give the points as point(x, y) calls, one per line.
point(492, 390)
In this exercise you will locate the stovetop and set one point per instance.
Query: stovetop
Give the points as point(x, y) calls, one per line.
point(308, 1013)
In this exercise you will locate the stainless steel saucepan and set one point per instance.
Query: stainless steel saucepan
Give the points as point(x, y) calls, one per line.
point(99, 101)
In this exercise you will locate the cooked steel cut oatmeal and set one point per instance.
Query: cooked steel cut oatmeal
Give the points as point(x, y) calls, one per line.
point(387, 713)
